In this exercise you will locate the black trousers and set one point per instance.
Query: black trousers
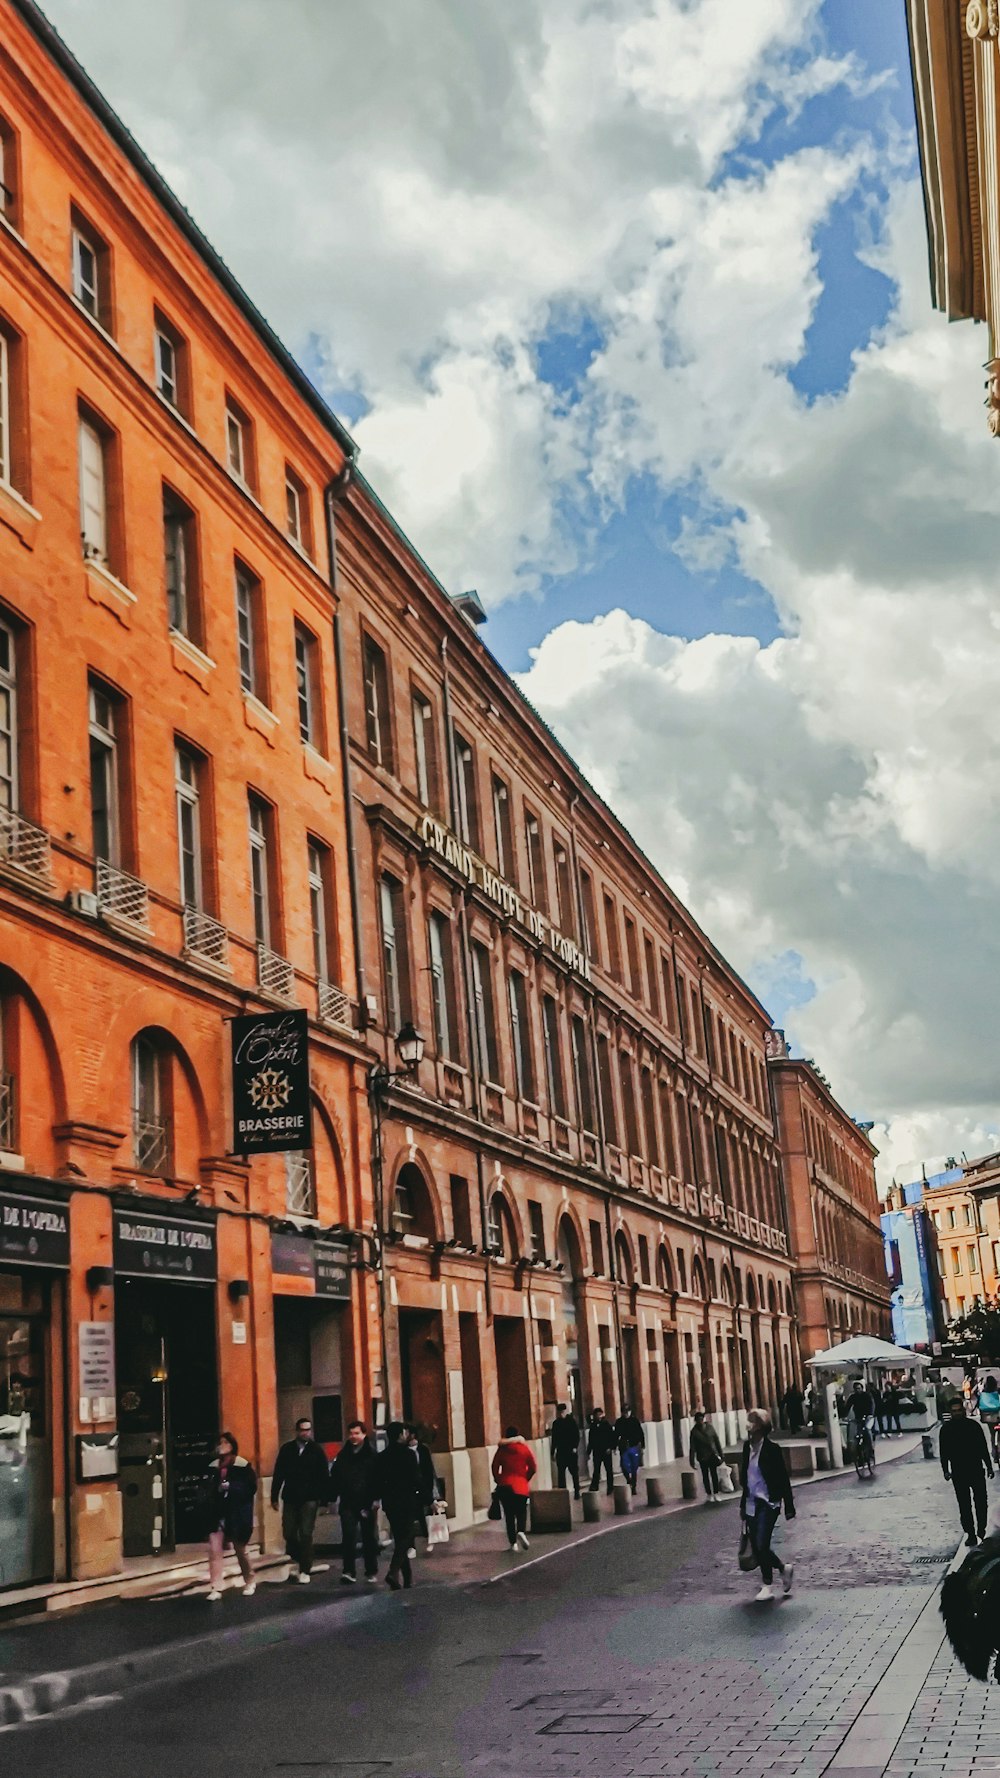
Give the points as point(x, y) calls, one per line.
point(351, 1522)
point(971, 1489)
point(606, 1462)
point(401, 1530)
point(709, 1475)
point(568, 1463)
point(761, 1520)
point(515, 1512)
point(298, 1524)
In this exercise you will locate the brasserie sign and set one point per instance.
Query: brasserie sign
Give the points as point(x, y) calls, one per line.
point(476, 871)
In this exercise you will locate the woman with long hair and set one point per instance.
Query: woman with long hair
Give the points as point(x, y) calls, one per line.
point(229, 1490)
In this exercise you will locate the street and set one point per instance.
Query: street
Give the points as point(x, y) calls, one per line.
point(637, 1652)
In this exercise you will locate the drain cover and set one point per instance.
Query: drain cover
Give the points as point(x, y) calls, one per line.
point(596, 1724)
point(931, 1561)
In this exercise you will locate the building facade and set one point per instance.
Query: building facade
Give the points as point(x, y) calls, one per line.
point(172, 853)
point(965, 1213)
point(834, 1218)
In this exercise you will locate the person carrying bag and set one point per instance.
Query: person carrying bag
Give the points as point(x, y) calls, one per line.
point(766, 1489)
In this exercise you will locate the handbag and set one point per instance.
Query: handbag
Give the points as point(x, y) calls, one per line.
point(437, 1530)
point(746, 1558)
point(496, 1511)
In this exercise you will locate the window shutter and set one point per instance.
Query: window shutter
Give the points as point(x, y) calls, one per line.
point(93, 507)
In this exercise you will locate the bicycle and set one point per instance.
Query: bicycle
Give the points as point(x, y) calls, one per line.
point(864, 1451)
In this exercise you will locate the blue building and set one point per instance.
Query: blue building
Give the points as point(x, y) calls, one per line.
point(909, 1248)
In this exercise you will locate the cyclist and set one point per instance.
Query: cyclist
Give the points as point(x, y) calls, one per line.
point(860, 1414)
point(989, 1412)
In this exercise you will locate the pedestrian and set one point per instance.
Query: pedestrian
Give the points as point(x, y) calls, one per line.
point(878, 1403)
point(513, 1467)
point(706, 1452)
point(891, 1404)
point(600, 1447)
point(989, 1410)
point(428, 1480)
point(631, 1441)
point(766, 1489)
point(794, 1404)
point(229, 1490)
point(397, 1484)
point(301, 1480)
point(353, 1483)
point(966, 1459)
point(564, 1434)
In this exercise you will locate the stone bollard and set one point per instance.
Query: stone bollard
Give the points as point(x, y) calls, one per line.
point(655, 1491)
point(623, 1499)
point(591, 1506)
point(927, 1443)
point(689, 1485)
point(551, 1509)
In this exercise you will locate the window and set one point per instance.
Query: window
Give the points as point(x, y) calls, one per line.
point(565, 911)
point(93, 492)
point(150, 1129)
point(589, 914)
point(667, 982)
point(423, 749)
point(956, 1261)
point(632, 953)
point(524, 1073)
point(606, 1089)
point(627, 1075)
point(439, 944)
point(502, 826)
point(614, 943)
point(300, 1186)
point(951, 1218)
point(180, 562)
point(461, 1212)
point(582, 1076)
point(499, 1230)
point(536, 1230)
point(553, 1056)
point(465, 784)
point(597, 1249)
point(187, 771)
point(669, 1139)
point(261, 851)
point(307, 685)
point(973, 1260)
point(536, 861)
point(5, 404)
point(239, 444)
point(393, 953)
point(9, 185)
point(644, 1272)
point(682, 1270)
point(249, 632)
point(967, 1215)
point(9, 796)
point(652, 984)
point(940, 1263)
point(377, 723)
point(320, 893)
point(297, 518)
point(485, 1015)
point(91, 271)
point(170, 363)
point(649, 1118)
point(104, 782)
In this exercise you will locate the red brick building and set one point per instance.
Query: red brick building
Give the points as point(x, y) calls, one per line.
point(829, 1170)
point(172, 850)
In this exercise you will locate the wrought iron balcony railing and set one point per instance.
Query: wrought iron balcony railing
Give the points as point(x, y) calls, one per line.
point(205, 938)
point(121, 895)
point(275, 974)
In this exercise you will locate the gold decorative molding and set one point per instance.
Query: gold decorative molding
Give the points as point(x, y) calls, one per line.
point(992, 369)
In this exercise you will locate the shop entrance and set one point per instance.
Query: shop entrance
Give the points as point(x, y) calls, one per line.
point(307, 1367)
point(168, 1409)
point(421, 1359)
point(512, 1373)
point(26, 1552)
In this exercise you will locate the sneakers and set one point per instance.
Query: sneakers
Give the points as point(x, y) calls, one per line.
point(370, 1574)
point(249, 1589)
point(303, 1579)
point(214, 1594)
point(766, 1592)
point(512, 1545)
point(349, 1580)
point(522, 1538)
point(393, 1581)
point(787, 1578)
point(971, 1541)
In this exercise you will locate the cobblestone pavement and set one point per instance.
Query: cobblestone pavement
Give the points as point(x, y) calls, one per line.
point(637, 1655)
point(954, 1727)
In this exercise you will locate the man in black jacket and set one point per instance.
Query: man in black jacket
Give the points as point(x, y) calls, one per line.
point(397, 1479)
point(966, 1460)
point(302, 1481)
point(631, 1444)
point(601, 1442)
point(565, 1436)
point(352, 1482)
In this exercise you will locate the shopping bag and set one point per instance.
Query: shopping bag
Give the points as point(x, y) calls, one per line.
point(746, 1557)
point(496, 1511)
point(725, 1479)
point(437, 1530)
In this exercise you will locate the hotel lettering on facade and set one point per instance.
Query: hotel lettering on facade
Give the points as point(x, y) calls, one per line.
point(253, 756)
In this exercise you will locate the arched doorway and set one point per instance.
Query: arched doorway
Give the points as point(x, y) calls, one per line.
point(569, 1256)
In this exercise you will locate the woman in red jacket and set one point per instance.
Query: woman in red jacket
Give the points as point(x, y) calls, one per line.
point(513, 1467)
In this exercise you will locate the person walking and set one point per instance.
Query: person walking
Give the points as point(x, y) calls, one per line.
point(706, 1451)
point(766, 1489)
point(878, 1408)
point(513, 1467)
point(631, 1441)
point(564, 1434)
point(353, 1484)
point(989, 1411)
point(793, 1404)
point(397, 1485)
point(428, 1480)
point(301, 1481)
point(966, 1459)
point(890, 1406)
point(229, 1490)
point(601, 1442)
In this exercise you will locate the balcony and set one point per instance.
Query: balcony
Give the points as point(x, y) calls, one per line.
point(24, 846)
point(151, 1142)
point(275, 975)
point(334, 1006)
point(205, 938)
point(121, 896)
point(8, 1115)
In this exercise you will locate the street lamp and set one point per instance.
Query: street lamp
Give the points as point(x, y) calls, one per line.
point(409, 1046)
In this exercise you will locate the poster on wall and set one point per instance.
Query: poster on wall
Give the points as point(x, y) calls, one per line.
point(271, 1105)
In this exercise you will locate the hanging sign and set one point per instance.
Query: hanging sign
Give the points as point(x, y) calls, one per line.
point(271, 1105)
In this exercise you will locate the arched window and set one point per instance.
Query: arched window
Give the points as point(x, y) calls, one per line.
point(412, 1210)
point(727, 1285)
point(664, 1270)
point(624, 1270)
point(500, 1229)
point(151, 1131)
point(772, 1298)
point(568, 1250)
point(698, 1279)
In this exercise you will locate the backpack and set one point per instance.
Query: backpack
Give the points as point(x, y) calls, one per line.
point(970, 1606)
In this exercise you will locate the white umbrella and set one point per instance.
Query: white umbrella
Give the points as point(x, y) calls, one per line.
point(864, 1349)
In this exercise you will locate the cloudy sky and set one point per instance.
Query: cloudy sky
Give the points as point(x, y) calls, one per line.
point(627, 304)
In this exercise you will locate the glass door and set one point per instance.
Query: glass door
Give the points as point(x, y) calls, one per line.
point(25, 1452)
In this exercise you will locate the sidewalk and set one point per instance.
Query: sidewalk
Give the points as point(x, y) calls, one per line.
point(51, 1663)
